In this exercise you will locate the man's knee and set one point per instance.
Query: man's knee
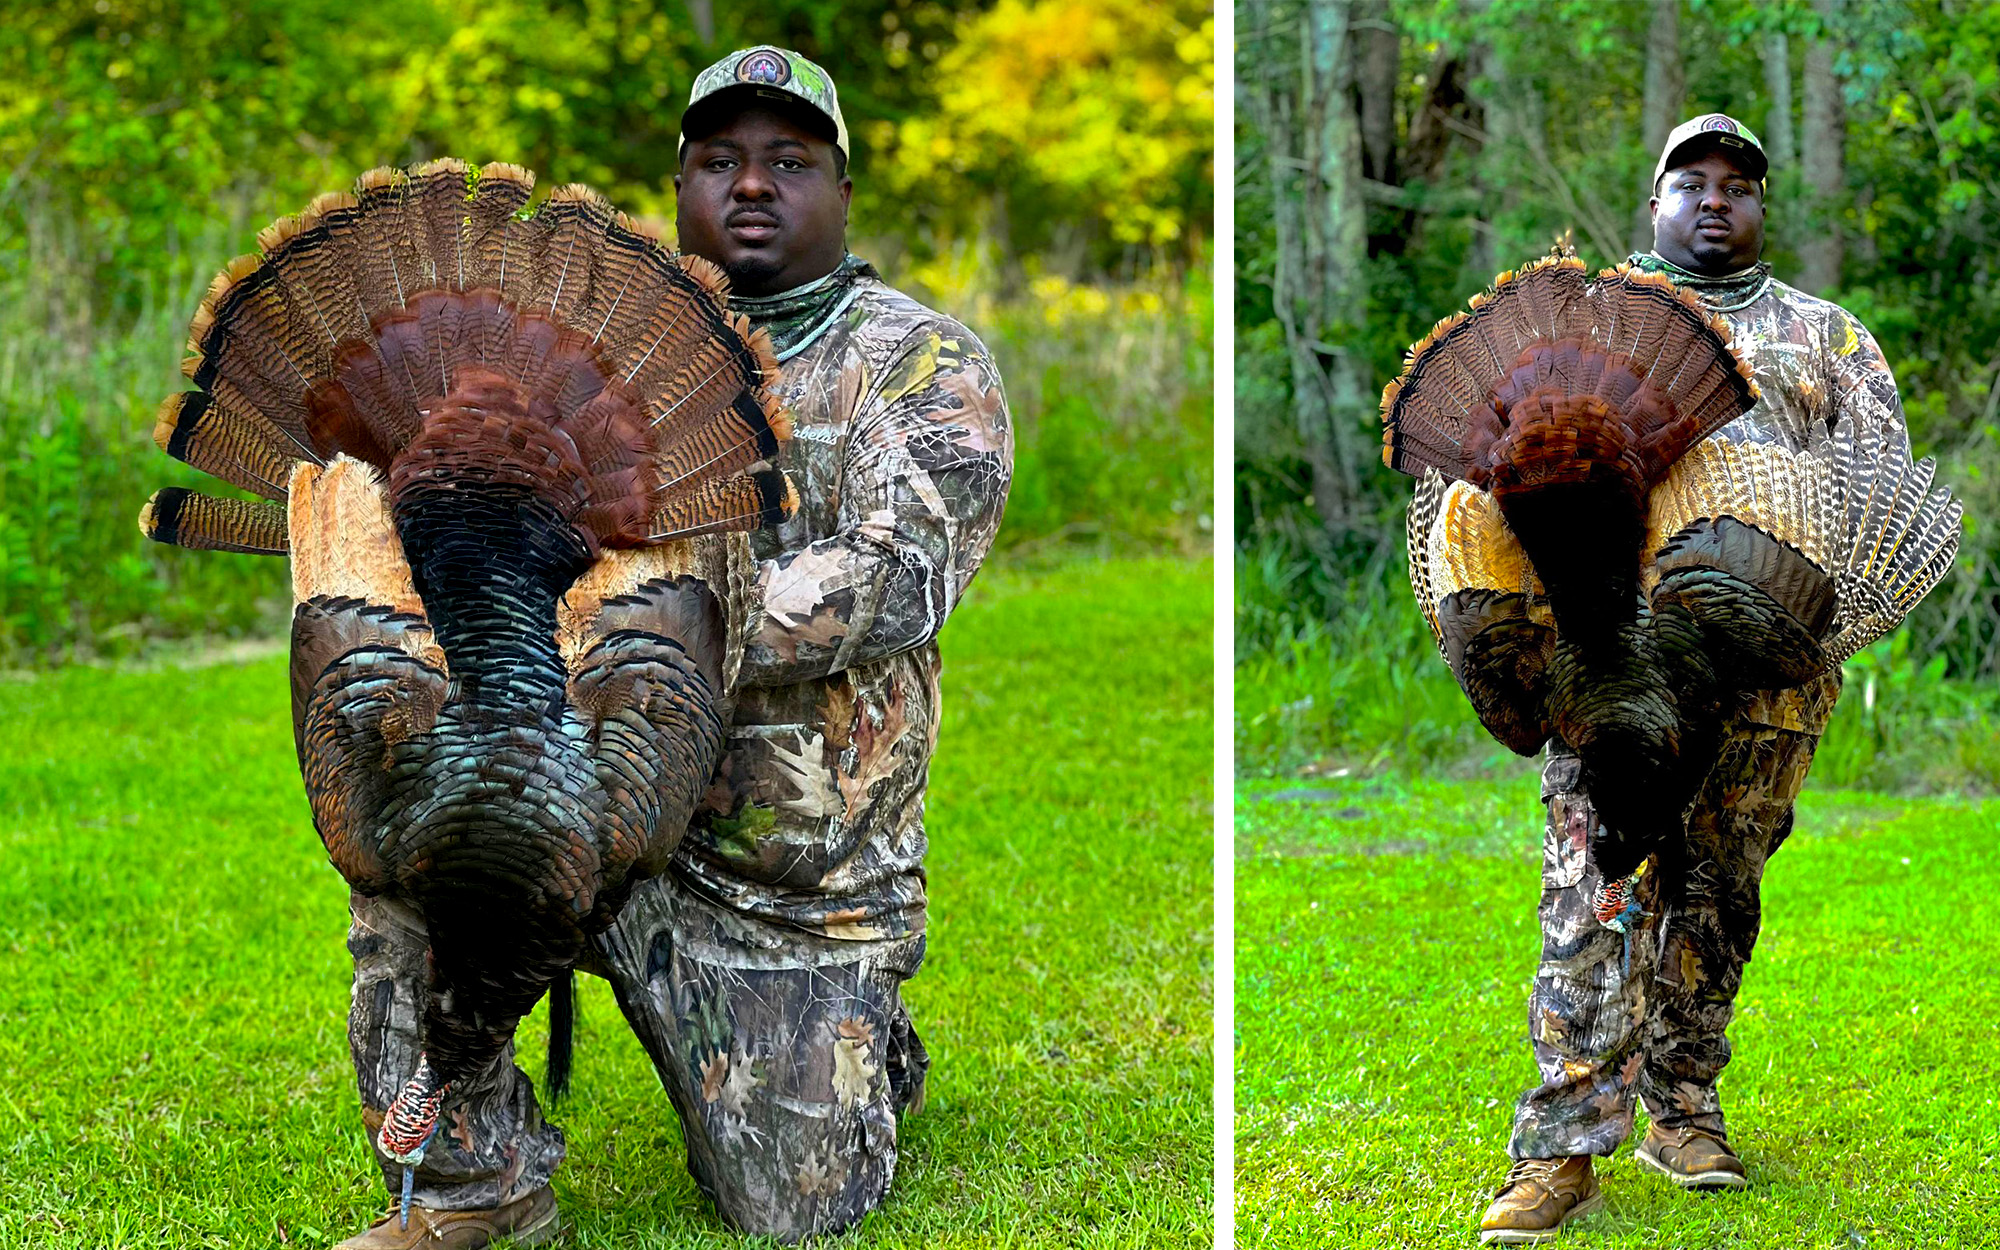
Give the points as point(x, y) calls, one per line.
point(814, 1175)
point(792, 1119)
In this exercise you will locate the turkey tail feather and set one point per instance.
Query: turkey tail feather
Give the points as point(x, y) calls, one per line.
point(1897, 534)
point(182, 518)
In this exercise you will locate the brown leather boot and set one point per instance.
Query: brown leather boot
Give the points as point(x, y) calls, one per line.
point(529, 1221)
point(1692, 1158)
point(1538, 1197)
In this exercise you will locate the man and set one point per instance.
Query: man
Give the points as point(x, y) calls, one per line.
point(763, 972)
point(1612, 1024)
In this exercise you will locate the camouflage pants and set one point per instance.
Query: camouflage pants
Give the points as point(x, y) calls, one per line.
point(786, 1057)
point(1612, 1022)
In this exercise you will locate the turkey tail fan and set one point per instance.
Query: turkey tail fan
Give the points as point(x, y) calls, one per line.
point(1897, 534)
point(1673, 341)
point(1626, 366)
point(422, 316)
point(1449, 374)
point(714, 506)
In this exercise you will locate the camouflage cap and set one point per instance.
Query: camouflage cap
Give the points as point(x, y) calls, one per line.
point(776, 75)
point(1717, 130)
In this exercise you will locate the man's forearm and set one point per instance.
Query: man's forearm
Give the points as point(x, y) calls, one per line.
point(867, 594)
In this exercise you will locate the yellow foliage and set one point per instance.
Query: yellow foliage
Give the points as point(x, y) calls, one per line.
point(1108, 104)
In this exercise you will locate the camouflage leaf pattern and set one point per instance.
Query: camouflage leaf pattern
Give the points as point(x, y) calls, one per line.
point(902, 451)
point(787, 1070)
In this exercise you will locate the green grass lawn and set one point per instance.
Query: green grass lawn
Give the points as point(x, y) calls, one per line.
point(1385, 943)
point(173, 979)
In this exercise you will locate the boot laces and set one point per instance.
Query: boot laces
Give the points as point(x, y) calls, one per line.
point(1541, 1171)
point(1685, 1133)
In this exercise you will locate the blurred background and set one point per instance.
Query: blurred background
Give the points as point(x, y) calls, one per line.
point(1041, 169)
point(1393, 155)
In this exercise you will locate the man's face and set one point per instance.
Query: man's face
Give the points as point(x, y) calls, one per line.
point(1708, 216)
point(759, 196)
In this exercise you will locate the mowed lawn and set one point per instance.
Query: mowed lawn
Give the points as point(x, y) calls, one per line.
point(1385, 942)
point(174, 981)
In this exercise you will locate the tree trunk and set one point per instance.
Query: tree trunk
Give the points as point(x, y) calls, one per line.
point(1780, 144)
point(1491, 94)
point(1664, 101)
point(702, 13)
point(1379, 55)
point(1307, 110)
point(1263, 149)
point(1419, 161)
point(1447, 105)
point(1823, 160)
point(1331, 383)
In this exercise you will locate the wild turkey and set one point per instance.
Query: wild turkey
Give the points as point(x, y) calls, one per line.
point(1598, 564)
point(484, 436)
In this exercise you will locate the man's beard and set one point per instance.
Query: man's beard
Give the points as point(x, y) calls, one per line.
point(1713, 260)
point(753, 275)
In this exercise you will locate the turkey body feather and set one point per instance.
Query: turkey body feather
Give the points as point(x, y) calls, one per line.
point(502, 450)
point(1602, 564)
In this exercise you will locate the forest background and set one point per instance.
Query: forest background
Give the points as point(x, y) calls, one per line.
point(1041, 169)
point(1393, 155)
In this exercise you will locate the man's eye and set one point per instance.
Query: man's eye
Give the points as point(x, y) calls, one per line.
point(720, 163)
point(789, 162)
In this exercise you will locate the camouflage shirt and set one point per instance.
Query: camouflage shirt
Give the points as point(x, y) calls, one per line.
point(1814, 362)
point(901, 453)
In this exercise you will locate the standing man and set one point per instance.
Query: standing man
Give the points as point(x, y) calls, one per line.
point(763, 972)
point(1606, 1034)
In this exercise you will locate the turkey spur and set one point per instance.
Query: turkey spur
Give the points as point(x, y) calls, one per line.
point(1600, 562)
point(497, 446)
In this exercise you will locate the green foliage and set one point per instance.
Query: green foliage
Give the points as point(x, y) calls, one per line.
point(78, 388)
point(1399, 918)
point(171, 940)
point(150, 120)
point(1112, 397)
point(142, 143)
point(1364, 690)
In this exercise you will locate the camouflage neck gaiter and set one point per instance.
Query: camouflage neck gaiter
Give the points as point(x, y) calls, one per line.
point(1727, 293)
point(797, 317)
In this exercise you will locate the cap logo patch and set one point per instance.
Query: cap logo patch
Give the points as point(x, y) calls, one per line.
point(1716, 121)
point(764, 66)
